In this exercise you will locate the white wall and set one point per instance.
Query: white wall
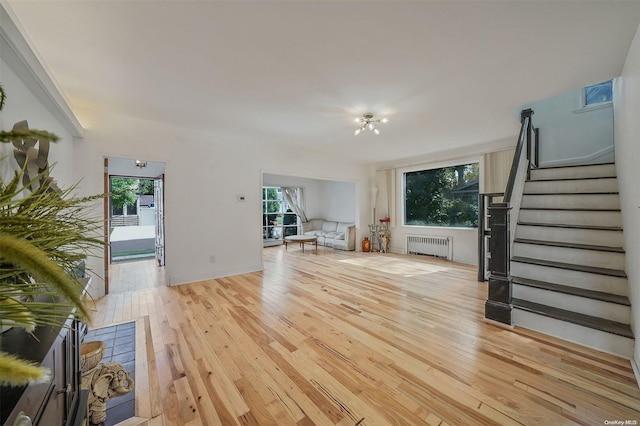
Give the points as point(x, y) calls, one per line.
point(570, 134)
point(205, 175)
point(338, 201)
point(627, 141)
point(23, 104)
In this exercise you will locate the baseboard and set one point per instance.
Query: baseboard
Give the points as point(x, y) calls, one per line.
point(499, 324)
point(585, 160)
point(636, 370)
point(212, 275)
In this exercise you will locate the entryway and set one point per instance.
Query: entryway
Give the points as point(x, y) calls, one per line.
point(134, 214)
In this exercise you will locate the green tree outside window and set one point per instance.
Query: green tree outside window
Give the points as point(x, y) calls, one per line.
point(446, 196)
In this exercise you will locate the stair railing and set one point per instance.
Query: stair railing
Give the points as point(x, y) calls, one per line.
point(498, 233)
point(522, 155)
point(484, 232)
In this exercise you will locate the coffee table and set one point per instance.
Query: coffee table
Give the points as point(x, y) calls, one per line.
point(300, 239)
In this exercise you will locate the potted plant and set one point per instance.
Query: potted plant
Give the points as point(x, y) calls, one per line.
point(44, 233)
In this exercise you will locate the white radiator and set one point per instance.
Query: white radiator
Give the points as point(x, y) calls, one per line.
point(432, 246)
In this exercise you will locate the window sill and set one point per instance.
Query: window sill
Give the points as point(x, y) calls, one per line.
point(458, 228)
point(593, 107)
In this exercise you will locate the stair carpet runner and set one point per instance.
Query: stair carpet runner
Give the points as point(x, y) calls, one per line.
point(567, 264)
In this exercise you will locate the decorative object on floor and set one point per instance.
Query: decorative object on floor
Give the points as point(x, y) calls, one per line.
point(368, 122)
point(105, 381)
point(110, 379)
point(385, 235)
point(374, 237)
point(91, 354)
point(366, 245)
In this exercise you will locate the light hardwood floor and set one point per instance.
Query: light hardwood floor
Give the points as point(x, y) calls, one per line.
point(351, 338)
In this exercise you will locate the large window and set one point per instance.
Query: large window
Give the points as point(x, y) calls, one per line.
point(278, 219)
point(442, 197)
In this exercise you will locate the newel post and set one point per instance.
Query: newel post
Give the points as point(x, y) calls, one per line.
point(498, 304)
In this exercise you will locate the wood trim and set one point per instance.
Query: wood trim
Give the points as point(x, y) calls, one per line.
point(106, 225)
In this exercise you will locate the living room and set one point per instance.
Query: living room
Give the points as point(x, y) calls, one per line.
point(214, 174)
point(228, 163)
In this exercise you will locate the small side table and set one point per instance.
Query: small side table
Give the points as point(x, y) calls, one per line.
point(302, 239)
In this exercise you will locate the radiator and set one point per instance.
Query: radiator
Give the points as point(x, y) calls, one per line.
point(432, 246)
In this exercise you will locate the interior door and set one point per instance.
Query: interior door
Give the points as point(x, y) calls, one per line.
point(158, 199)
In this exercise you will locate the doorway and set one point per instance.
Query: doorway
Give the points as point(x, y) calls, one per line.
point(134, 224)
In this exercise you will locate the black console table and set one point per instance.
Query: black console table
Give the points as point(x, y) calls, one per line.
point(59, 400)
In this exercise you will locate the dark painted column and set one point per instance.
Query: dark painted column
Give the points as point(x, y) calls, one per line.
point(498, 305)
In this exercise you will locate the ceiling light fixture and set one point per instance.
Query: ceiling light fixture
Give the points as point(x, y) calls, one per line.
point(368, 122)
point(141, 164)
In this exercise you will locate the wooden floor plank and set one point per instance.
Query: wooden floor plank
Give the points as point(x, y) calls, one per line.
point(345, 338)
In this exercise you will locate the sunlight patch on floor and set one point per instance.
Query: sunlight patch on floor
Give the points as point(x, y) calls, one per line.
point(395, 266)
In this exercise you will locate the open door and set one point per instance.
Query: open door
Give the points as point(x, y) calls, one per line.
point(106, 207)
point(159, 207)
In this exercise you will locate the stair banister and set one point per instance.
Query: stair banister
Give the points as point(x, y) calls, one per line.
point(525, 138)
point(498, 305)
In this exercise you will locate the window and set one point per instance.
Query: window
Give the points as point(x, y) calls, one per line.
point(278, 219)
point(446, 196)
point(598, 93)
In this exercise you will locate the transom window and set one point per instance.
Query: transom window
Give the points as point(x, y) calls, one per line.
point(598, 93)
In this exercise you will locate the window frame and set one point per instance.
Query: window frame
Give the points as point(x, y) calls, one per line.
point(281, 213)
point(584, 107)
point(431, 166)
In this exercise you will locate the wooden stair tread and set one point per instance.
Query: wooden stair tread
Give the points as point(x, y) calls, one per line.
point(571, 178)
point(569, 209)
point(588, 227)
point(608, 326)
point(574, 291)
point(568, 166)
point(571, 266)
point(570, 245)
point(572, 193)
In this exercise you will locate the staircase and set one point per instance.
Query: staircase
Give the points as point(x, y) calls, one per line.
point(567, 264)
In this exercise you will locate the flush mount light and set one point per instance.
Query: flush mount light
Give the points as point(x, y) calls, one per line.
point(141, 164)
point(367, 121)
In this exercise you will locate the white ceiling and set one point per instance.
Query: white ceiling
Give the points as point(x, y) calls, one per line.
point(447, 74)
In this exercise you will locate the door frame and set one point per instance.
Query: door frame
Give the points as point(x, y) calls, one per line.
point(107, 247)
point(106, 214)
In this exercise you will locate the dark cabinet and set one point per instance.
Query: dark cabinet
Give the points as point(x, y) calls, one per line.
point(55, 402)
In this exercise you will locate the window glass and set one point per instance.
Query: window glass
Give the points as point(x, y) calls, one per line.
point(447, 196)
point(278, 219)
point(598, 93)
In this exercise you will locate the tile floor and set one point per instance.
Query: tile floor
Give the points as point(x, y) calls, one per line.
point(120, 343)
